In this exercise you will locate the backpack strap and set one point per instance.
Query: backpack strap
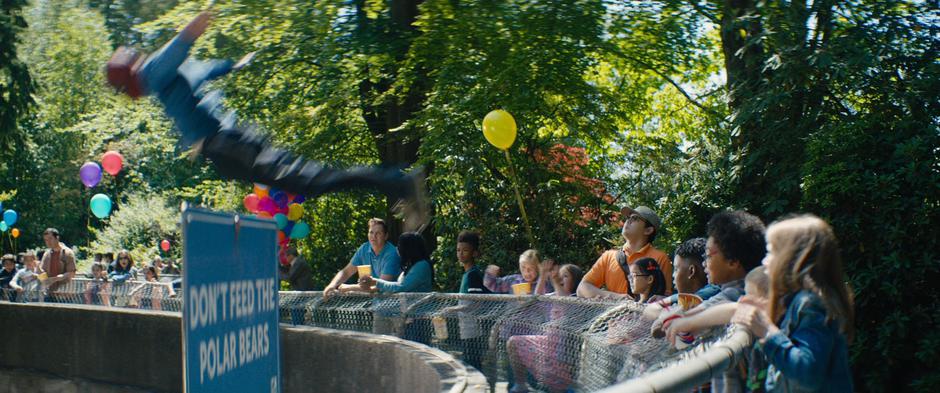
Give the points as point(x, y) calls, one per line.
point(622, 261)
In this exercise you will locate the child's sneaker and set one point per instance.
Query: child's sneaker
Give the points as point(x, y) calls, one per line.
point(245, 60)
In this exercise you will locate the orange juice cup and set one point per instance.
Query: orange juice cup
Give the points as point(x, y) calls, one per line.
point(364, 270)
point(522, 288)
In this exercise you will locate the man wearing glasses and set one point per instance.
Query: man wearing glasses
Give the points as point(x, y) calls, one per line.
point(607, 279)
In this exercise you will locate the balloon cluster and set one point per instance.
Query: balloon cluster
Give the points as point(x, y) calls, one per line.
point(286, 209)
point(9, 218)
point(90, 173)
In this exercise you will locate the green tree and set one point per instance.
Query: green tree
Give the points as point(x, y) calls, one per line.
point(139, 227)
point(16, 85)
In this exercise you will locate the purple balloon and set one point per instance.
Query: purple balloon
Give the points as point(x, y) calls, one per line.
point(299, 199)
point(90, 173)
point(280, 198)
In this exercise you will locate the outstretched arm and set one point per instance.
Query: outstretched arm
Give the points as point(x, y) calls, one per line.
point(160, 67)
point(713, 316)
point(589, 291)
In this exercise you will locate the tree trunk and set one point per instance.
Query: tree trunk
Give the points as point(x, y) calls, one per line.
point(396, 141)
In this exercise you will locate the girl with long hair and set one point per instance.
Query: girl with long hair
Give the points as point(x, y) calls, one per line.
point(805, 324)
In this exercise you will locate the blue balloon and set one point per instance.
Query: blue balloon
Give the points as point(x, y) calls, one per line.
point(280, 199)
point(281, 220)
point(289, 227)
point(9, 217)
point(300, 230)
point(100, 205)
point(299, 199)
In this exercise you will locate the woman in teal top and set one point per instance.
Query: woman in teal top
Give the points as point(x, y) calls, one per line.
point(417, 270)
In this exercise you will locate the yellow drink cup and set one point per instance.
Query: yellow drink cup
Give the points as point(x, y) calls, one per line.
point(522, 288)
point(364, 270)
point(440, 327)
point(688, 301)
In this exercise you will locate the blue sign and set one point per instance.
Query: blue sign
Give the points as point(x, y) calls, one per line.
point(230, 314)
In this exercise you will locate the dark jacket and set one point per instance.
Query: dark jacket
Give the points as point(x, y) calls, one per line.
point(299, 275)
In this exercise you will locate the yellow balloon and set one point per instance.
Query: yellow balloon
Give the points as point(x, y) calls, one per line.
point(295, 211)
point(499, 128)
point(15, 232)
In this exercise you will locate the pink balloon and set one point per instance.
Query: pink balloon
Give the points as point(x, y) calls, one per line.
point(112, 162)
point(251, 202)
point(165, 245)
point(266, 204)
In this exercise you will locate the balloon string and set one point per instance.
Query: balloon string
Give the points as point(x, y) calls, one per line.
point(515, 187)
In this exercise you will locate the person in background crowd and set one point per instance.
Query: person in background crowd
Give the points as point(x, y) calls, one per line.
point(170, 268)
point(378, 253)
point(58, 261)
point(529, 263)
point(6, 275)
point(124, 270)
point(98, 289)
point(804, 328)
point(26, 282)
point(608, 277)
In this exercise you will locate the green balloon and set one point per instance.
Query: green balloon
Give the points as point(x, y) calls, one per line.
point(100, 205)
point(300, 230)
point(281, 220)
point(3, 226)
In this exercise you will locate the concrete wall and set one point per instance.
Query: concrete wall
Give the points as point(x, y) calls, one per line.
point(50, 344)
point(118, 346)
point(343, 361)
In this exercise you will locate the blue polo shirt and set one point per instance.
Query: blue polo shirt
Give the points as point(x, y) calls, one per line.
point(386, 262)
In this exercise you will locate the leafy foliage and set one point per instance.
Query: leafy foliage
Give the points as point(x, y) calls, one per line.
point(139, 227)
point(16, 85)
point(687, 107)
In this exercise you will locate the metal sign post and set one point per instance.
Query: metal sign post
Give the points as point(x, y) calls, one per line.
point(230, 311)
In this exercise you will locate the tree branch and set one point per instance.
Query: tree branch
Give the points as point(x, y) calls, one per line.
point(704, 12)
point(682, 91)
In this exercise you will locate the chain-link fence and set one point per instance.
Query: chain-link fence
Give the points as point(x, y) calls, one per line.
point(144, 295)
point(549, 343)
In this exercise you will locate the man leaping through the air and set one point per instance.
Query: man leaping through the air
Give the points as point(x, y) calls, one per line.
point(236, 151)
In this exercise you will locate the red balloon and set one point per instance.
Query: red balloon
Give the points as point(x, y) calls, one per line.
point(112, 162)
point(165, 245)
point(281, 237)
point(251, 202)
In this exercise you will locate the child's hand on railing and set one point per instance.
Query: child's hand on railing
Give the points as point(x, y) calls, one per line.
point(492, 270)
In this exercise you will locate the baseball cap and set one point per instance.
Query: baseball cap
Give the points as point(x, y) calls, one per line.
point(648, 215)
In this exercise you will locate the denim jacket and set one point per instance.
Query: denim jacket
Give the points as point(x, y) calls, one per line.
point(807, 354)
